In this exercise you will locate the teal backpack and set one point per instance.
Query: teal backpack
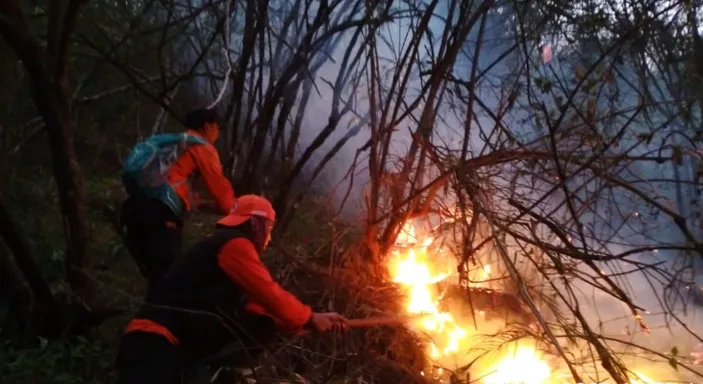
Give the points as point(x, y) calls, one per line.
point(145, 170)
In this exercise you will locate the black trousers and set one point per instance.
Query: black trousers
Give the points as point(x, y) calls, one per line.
point(149, 358)
point(252, 335)
point(153, 234)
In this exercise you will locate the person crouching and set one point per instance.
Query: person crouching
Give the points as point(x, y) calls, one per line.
point(217, 293)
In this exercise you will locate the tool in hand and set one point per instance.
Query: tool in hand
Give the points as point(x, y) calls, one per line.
point(379, 321)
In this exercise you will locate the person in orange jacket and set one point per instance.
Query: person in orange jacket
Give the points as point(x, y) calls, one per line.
point(217, 293)
point(152, 218)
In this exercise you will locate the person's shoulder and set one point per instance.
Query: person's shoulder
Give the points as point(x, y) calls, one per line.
point(203, 149)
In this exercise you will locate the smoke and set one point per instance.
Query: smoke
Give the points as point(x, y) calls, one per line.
point(664, 292)
point(635, 227)
point(605, 314)
point(449, 126)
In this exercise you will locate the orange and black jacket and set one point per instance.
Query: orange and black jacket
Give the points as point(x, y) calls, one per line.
point(205, 160)
point(218, 279)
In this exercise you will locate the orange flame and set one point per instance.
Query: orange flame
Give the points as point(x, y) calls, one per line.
point(413, 269)
point(523, 366)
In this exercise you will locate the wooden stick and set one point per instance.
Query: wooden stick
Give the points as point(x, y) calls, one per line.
point(378, 321)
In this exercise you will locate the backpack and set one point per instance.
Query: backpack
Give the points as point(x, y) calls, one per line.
point(145, 170)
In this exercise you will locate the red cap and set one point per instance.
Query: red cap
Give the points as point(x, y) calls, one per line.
point(247, 206)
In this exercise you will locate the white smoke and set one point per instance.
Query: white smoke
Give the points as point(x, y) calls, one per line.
point(601, 310)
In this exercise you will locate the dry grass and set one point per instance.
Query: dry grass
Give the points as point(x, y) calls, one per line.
point(322, 262)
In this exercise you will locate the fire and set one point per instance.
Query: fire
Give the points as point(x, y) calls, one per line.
point(641, 379)
point(412, 268)
point(513, 367)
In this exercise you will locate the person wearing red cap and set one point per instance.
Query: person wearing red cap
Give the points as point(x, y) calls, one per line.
point(217, 293)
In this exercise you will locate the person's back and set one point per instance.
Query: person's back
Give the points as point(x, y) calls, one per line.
point(204, 160)
point(153, 213)
point(196, 300)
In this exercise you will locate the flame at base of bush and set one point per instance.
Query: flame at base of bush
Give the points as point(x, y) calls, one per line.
point(449, 338)
point(411, 267)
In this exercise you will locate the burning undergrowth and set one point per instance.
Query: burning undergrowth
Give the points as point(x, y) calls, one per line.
point(474, 331)
point(478, 329)
point(460, 332)
point(385, 353)
point(469, 325)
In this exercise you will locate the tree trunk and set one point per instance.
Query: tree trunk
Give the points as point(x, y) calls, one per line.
point(50, 91)
point(14, 298)
point(45, 305)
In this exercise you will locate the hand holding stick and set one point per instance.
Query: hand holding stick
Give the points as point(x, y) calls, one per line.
point(379, 321)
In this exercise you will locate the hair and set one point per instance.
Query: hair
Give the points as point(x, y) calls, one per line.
point(253, 229)
point(197, 118)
